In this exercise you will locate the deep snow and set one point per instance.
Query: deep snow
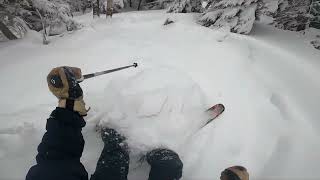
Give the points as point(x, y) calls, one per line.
point(268, 82)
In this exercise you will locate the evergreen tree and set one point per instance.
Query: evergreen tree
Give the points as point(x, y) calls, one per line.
point(185, 6)
point(237, 16)
point(293, 15)
point(11, 25)
point(315, 12)
point(157, 4)
point(52, 15)
point(266, 10)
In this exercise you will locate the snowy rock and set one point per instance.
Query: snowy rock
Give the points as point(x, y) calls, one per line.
point(236, 16)
point(168, 21)
point(316, 44)
point(185, 6)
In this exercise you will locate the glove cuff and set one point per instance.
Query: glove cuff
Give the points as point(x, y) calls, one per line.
point(74, 105)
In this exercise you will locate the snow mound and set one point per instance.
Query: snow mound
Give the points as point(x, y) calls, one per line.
point(155, 108)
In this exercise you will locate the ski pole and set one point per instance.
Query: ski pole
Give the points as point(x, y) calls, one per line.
point(87, 76)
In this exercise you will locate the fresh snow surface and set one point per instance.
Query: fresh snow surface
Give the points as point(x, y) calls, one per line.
point(268, 81)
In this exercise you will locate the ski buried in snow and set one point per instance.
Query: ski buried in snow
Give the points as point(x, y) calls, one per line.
point(215, 111)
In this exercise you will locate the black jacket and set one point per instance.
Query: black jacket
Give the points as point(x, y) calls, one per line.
point(61, 148)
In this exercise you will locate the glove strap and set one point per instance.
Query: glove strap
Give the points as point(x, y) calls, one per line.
point(69, 104)
point(74, 105)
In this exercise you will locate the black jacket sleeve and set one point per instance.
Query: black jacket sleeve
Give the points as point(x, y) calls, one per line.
point(61, 148)
point(63, 139)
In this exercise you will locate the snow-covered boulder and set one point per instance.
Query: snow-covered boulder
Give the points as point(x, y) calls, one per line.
point(237, 16)
point(185, 6)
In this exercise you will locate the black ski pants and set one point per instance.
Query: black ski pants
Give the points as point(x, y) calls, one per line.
point(113, 163)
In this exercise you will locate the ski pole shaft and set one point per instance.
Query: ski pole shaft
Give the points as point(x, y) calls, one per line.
point(87, 76)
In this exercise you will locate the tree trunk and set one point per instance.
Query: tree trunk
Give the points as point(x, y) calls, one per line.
point(310, 15)
point(139, 5)
point(6, 31)
point(109, 8)
point(44, 30)
point(96, 8)
point(98, 4)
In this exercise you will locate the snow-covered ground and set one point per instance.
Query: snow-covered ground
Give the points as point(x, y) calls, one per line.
point(268, 81)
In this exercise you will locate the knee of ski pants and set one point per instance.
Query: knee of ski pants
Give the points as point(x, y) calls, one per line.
point(113, 163)
point(165, 164)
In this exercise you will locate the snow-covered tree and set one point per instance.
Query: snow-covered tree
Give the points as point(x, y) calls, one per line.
point(315, 12)
point(78, 5)
point(117, 5)
point(96, 5)
point(185, 6)
point(293, 15)
point(157, 4)
point(52, 16)
point(11, 25)
point(56, 16)
point(237, 16)
point(266, 10)
point(6, 32)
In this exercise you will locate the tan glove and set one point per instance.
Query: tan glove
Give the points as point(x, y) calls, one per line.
point(62, 82)
point(78, 106)
point(233, 172)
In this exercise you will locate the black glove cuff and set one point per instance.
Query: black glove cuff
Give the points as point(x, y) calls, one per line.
point(69, 104)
